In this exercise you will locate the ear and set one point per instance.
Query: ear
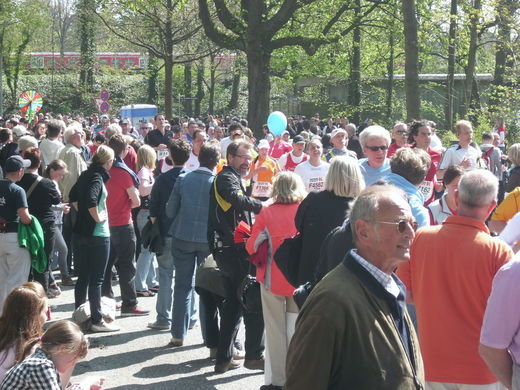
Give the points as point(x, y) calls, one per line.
point(362, 230)
point(491, 207)
point(456, 195)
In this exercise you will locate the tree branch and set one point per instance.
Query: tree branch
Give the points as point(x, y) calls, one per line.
point(214, 34)
point(226, 17)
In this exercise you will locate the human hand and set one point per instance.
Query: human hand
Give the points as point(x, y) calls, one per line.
point(466, 163)
point(66, 208)
point(162, 147)
point(103, 216)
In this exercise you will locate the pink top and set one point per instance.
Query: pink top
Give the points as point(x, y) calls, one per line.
point(501, 325)
point(277, 150)
point(146, 181)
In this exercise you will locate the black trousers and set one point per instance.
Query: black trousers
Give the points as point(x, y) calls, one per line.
point(234, 266)
point(122, 255)
point(48, 237)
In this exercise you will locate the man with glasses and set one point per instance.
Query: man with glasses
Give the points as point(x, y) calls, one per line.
point(229, 205)
point(354, 329)
point(374, 141)
point(449, 278)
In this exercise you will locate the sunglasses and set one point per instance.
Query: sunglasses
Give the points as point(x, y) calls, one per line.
point(376, 148)
point(401, 132)
point(402, 225)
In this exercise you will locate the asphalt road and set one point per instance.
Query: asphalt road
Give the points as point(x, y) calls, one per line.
point(138, 358)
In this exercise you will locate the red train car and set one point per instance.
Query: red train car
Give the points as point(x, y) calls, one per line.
point(70, 60)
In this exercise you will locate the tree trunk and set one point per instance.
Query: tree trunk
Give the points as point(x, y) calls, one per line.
point(472, 55)
point(235, 89)
point(390, 71)
point(200, 87)
point(152, 74)
point(168, 87)
point(258, 87)
point(452, 35)
point(188, 107)
point(211, 100)
point(503, 54)
point(87, 44)
point(355, 70)
point(411, 79)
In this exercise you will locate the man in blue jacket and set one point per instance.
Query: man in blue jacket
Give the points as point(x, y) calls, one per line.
point(161, 190)
point(188, 206)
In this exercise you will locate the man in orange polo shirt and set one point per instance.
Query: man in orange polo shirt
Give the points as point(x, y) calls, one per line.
point(449, 279)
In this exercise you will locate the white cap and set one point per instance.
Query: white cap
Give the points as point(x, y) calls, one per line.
point(336, 131)
point(263, 144)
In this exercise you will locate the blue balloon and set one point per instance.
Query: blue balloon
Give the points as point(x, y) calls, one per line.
point(277, 123)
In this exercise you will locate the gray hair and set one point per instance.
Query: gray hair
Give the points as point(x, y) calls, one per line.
point(368, 203)
point(112, 130)
point(478, 188)
point(373, 132)
point(514, 154)
point(351, 129)
point(72, 129)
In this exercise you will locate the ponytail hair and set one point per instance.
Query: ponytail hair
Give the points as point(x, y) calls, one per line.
point(65, 334)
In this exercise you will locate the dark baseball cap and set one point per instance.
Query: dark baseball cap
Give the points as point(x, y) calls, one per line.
point(124, 122)
point(298, 139)
point(15, 163)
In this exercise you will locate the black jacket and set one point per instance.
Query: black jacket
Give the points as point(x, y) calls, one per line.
point(317, 215)
point(87, 192)
point(228, 205)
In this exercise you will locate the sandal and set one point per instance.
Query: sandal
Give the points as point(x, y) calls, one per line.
point(145, 293)
point(154, 289)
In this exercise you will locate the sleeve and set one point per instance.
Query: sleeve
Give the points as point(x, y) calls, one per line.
point(511, 232)
point(233, 194)
point(258, 228)
point(314, 344)
point(155, 198)
point(174, 201)
point(21, 199)
point(446, 159)
point(501, 322)
point(282, 161)
point(93, 190)
point(53, 193)
point(299, 218)
point(513, 180)
point(44, 376)
point(507, 209)
point(145, 182)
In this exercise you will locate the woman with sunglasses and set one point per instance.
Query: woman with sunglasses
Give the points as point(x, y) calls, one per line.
point(374, 141)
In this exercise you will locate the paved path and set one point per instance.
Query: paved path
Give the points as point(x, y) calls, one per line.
point(137, 357)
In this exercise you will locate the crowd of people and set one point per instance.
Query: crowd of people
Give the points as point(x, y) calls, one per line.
point(355, 257)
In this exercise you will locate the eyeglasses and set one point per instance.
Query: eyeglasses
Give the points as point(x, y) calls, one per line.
point(401, 132)
point(376, 148)
point(244, 157)
point(402, 224)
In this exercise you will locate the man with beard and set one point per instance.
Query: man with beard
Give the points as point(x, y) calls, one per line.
point(228, 207)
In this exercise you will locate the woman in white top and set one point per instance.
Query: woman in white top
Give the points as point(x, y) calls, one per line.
point(145, 278)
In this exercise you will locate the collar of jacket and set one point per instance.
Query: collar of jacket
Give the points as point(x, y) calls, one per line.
point(99, 169)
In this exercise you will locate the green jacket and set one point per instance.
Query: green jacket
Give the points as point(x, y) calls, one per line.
point(30, 237)
point(346, 339)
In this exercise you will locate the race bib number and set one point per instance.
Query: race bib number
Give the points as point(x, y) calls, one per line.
point(316, 184)
point(426, 188)
point(261, 189)
point(162, 154)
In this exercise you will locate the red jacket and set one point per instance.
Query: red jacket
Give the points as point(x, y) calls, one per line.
point(274, 223)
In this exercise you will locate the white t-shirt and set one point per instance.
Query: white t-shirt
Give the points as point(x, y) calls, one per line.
point(192, 163)
point(313, 177)
point(50, 150)
point(224, 143)
point(455, 154)
point(283, 160)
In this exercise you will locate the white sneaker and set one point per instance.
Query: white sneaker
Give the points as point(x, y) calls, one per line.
point(104, 327)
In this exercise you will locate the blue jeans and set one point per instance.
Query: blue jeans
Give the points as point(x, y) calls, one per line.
point(90, 263)
point(165, 295)
point(186, 254)
point(145, 276)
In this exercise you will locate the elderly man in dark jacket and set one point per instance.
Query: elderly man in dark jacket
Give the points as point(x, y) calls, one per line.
point(354, 331)
point(228, 206)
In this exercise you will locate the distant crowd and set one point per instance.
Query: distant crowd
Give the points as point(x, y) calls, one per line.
point(355, 256)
